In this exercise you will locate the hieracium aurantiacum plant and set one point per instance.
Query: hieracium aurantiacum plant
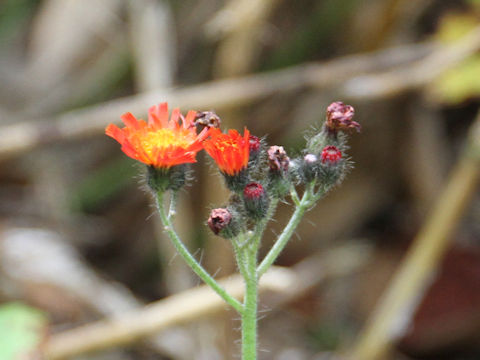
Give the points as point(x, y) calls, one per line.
point(258, 177)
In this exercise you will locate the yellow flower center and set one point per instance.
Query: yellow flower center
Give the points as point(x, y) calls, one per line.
point(227, 144)
point(164, 138)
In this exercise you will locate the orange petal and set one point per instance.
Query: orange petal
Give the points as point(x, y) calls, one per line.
point(130, 120)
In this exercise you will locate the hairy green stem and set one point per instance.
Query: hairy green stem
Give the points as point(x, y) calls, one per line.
point(249, 316)
point(190, 260)
point(260, 228)
point(303, 205)
point(172, 209)
point(239, 250)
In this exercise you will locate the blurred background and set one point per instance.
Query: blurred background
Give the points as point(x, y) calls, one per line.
point(80, 240)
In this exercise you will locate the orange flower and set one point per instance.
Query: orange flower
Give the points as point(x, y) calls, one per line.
point(230, 151)
point(161, 143)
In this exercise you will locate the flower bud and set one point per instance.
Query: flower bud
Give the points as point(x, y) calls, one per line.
point(254, 145)
point(333, 166)
point(279, 163)
point(278, 159)
point(222, 223)
point(254, 149)
point(331, 155)
point(255, 200)
point(339, 117)
point(310, 159)
point(207, 119)
point(309, 168)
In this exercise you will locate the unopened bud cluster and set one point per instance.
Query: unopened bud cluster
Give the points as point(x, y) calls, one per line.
point(270, 174)
point(324, 158)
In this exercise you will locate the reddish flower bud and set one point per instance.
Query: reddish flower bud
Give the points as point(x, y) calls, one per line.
point(339, 117)
point(253, 191)
point(256, 200)
point(330, 155)
point(254, 145)
point(278, 159)
point(221, 222)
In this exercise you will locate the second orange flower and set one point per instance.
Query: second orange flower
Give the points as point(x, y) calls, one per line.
point(230, 151)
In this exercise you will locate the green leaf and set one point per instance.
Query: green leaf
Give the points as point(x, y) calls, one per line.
point(459, 83)
point(22, 330)
point(454, 26)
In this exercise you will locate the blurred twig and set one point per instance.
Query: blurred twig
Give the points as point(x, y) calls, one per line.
point(25, 135)
point(151, 40)
point(395, 310)
point(63, 33)
point(239, 23)
point(236, 16)
point(234, 92)
point(390, 83)
point(200, 301)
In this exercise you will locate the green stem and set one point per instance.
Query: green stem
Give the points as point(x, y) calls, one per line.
point(172, 210)
point(239, 251)
point(249, 316)
point(304, 204)
point(260, 228)
point(190, 260)
point(249, 255)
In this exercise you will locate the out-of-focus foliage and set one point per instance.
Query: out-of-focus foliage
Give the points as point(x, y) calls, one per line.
point(461, 82)
point(22, 331)
point(13, 16)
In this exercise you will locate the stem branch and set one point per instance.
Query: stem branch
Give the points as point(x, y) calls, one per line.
point(302, 206)
point(190, 260)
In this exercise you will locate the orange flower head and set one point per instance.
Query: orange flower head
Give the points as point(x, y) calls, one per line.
point(230, 151)
point(161, 143)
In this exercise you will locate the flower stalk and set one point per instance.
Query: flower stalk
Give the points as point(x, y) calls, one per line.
point(190, 259)
point(249, 316)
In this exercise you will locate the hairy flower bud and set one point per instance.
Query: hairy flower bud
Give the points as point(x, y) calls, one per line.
point(256, 200)
point(222, 223)
point(310, 159)
point(278, 159)
point(339, 117)
point(207, 119)
point(254, 146)
point(279, 163)
point(333, 166)
point(309, 167)
point(331, 155)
